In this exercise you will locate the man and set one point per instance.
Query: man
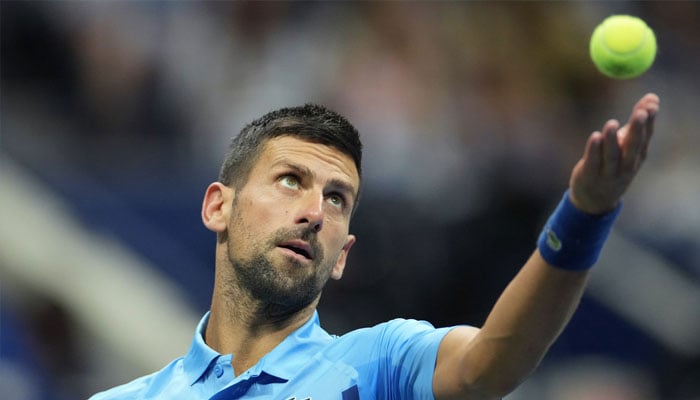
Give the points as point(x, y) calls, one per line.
point(281, 211)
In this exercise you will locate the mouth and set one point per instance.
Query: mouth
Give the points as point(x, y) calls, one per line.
point(299, 247)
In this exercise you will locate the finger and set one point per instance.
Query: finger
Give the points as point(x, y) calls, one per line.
point(650, 104)
point(652, 107)
point(635, 141)
point(650, 100)
point(611, 148)
point(592, 155)
point(649, 128)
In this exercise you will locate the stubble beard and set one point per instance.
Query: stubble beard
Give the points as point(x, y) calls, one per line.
point(279, 291)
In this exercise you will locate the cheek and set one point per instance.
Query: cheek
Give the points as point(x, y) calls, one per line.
point(252, 220)
point(241, 227)
point(266, 206)
point(252, 211)
point(336, 244)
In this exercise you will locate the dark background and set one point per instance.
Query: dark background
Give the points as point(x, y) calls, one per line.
point(472, 114)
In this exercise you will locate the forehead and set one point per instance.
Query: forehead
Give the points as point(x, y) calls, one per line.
point(321, 159)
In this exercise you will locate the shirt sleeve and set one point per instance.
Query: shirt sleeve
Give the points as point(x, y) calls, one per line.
point(411, 352)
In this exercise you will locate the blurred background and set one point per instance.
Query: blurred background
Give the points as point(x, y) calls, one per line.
point(115, 116)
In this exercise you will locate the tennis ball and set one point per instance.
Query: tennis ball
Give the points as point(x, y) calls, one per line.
point(623, 47)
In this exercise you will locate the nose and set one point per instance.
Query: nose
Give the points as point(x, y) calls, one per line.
point(311, 212)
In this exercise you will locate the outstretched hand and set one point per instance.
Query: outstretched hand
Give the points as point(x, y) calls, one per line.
point(612, 158)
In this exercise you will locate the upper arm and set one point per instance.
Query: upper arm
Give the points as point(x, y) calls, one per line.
point(451, 378)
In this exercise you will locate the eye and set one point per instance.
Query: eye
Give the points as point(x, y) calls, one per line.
point(336, 200)
point(289, 181)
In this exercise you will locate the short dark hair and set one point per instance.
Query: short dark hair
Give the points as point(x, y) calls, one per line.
point(311, 122)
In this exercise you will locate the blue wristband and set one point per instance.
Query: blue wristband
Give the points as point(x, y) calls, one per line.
point(572, 239)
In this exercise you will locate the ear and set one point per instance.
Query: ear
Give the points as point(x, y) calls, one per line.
point(217, 206)
point(339, 267)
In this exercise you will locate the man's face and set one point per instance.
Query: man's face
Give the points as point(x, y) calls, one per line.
point(288, 226)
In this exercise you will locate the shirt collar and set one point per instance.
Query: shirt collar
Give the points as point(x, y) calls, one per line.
point(200, 355)
point(282, 362)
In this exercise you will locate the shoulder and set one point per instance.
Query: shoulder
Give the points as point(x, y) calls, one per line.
point(388, 338)
point(397, 356)
point(396, 329)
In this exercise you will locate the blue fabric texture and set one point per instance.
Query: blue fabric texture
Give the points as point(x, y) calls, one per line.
point(392, 360)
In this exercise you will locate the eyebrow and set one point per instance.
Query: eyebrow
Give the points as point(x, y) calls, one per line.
point(335, 183)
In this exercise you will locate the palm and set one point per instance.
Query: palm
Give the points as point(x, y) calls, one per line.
point(612, 158)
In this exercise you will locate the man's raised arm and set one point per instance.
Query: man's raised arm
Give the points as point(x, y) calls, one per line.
point(490, 362)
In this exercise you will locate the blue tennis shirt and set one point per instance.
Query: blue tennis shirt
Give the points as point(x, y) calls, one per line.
point(392, 360)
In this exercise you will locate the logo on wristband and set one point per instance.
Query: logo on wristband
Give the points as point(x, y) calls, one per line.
point(553, 241)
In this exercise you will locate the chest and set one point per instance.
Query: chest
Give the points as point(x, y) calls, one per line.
point(318, 378)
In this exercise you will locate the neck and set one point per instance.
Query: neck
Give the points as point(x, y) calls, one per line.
point(248, 328)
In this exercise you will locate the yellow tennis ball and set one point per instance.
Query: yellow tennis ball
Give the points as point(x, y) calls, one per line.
point(623, 47)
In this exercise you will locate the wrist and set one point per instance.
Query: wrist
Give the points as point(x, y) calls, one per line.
point(573, 239)
point(590, 206)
